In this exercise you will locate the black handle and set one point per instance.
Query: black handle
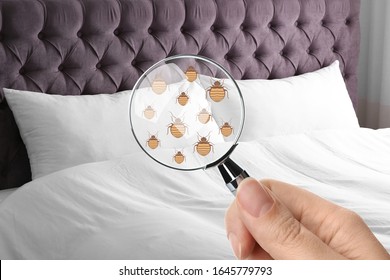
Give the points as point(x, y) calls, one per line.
point(232, 174)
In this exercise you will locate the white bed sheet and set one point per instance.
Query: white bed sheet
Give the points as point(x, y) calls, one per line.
point(133, 208)
point(6, 193)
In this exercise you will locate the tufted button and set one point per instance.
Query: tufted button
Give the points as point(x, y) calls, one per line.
point(98, 65)
point(322, 23)
point(296, 23)
point(1, 37)
point(40, 35)
point(116, 32)
point(333, 49)
point(270, 25)
point(133, 62)
point(22, 71)
point(79, 34)
point(242, 27)
point(212, 28)
point(150, 30)
point(226, 56)
point(60, 67)
point(347, 22)
point(281, 53)
point(182, 29)
point(254, 55)
point(308, 51)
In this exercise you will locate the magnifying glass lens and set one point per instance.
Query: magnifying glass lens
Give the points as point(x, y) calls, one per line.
point(187, 112)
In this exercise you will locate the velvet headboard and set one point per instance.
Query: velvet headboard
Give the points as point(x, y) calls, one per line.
point(102, 46)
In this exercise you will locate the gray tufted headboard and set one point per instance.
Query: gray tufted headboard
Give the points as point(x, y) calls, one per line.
point(102, 46)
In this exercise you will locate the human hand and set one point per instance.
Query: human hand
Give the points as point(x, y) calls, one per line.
point(274, 220)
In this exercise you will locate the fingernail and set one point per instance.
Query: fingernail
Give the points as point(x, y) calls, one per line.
point(253, 198)
point(235, 243)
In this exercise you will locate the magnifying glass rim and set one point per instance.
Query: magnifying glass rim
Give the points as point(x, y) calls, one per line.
point(205, 59)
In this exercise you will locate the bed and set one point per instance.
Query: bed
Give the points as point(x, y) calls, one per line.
point(74, 183)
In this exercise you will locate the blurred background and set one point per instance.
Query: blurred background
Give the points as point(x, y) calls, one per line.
point(374, 65)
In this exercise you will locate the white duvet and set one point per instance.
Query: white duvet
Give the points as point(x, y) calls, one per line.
point(133, 208)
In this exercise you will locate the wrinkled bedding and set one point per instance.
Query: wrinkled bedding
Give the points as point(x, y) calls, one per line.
point(133, 208)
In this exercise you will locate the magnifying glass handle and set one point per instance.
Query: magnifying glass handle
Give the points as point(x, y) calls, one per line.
point(232, 174)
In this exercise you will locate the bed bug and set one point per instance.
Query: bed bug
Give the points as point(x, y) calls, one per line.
point(217, 91)
point(204, 116)
point(179, 157)
point(203, 146)
point(182, 99)
point(153, 141)
point(149, 112)
point(177, 127)
point(159, 86)
point(191, 74)
point(226, 129)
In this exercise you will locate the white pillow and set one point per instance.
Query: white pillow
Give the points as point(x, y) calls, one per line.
point(312, 101)
point(64, 131)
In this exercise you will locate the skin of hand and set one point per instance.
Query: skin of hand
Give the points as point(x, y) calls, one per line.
point(275, 220)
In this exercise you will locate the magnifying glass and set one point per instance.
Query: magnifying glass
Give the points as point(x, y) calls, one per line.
point(187, 113)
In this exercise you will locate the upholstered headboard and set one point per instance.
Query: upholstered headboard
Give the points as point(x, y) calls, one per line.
point(102, 46)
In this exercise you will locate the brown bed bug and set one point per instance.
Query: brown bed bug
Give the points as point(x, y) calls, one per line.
point(204, 116)
point(179, 157)
point(153, 141)
point(177, 128)
point(191, 74)
point(217, 91)
point(226, 129)
point(149, 112)
point(182, 99)
point(159, 86)
point(203, 146)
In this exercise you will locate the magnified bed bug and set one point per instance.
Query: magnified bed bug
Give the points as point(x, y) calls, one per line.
point(203, 146)
point(226, 129)
point(191, 74)
point(179, 157)
point(204, 116)
point(149, 112)
point(177, 128)
point(182, 99)
point(217, 91)
point(159, 86)
point(153, 141)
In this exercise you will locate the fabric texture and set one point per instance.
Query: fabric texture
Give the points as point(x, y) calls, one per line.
point(313, 101)
point(86, 46)
point(116, 210)
point(65, 131)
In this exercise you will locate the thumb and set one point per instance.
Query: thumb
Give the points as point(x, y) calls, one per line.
point(274, 227)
